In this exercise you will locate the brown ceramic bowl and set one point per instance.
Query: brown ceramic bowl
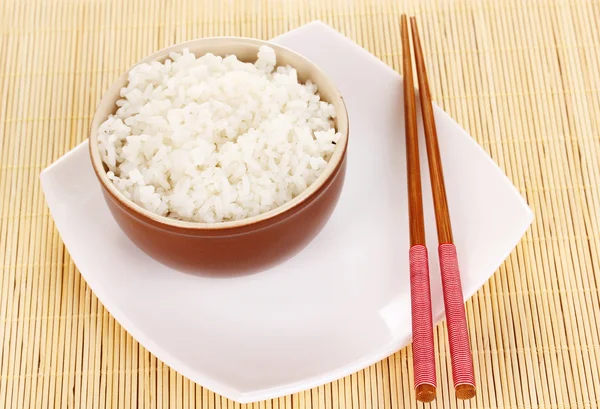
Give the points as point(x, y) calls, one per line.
point(242, 246)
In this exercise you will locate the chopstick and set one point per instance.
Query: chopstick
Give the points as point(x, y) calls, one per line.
point(458, 334)
point(422, 323)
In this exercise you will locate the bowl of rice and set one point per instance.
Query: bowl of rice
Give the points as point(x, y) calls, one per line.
point(221, 155)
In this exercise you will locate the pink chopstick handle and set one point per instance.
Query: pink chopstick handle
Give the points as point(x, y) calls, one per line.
point(458, 333)
point(422, 322)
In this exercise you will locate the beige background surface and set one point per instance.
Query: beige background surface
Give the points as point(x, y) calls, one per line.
point(522, 76)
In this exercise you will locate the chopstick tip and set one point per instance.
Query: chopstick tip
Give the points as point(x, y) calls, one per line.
point(425, 393)
point(465, 391)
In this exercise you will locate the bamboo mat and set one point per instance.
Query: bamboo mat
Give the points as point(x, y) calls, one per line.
point(522, 76)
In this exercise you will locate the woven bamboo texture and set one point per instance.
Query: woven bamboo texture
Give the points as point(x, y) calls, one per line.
point(523, 77)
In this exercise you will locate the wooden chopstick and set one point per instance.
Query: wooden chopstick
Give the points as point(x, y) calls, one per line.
point(422, 323)
point(458, 335)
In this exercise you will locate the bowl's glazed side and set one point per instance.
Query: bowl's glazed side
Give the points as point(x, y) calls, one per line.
point(235, 251)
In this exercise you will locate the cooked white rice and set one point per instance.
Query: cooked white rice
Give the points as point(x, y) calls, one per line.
point(213, 139)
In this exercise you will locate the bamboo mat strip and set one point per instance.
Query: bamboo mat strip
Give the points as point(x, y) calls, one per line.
point(522, 77)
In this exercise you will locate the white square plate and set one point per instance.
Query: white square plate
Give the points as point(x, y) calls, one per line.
point(340, 305)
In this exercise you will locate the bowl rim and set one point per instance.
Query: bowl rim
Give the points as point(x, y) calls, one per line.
point(309, 193)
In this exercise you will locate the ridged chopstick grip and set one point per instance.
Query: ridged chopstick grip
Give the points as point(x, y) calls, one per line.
point(422, 321)
point(458, 335)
